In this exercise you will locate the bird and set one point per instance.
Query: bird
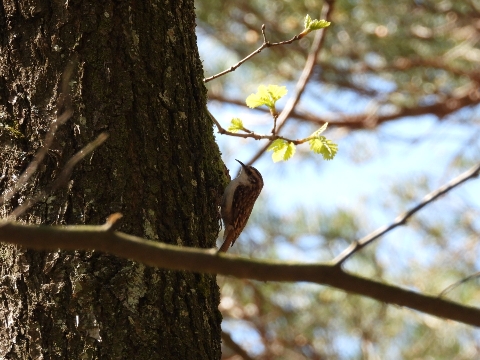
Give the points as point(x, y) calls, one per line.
point(237, 203)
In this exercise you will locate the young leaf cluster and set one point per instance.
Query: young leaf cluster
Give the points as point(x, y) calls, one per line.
point(321, 145)
point(282, 148)
point(312, 25)
point(266, 95)
point(236, 125)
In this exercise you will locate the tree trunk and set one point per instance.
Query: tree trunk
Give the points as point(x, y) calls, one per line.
point(136, 74)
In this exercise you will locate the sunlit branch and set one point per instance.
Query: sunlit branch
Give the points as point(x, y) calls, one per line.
point(402, 219)
point(251, 134)
point(304, 77)
point(161, 255)
point(265, 44)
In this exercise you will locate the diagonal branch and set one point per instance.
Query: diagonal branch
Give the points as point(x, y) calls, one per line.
point(458, 283)
point(208, 261)
point(266, 44)
point(402, 219)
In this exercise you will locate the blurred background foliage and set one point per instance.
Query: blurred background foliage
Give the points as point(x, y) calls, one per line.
point(399, 83)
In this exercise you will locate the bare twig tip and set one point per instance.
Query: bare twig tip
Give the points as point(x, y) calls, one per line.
point(113, 221)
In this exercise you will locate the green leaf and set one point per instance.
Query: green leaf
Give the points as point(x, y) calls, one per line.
point(321, 145)
point(276, 145)
point(282, 150)
point(266, 96)
point(321, 130)
point(289, 152)
point(235, 125)
point(312, 25)
point(307, 21)
point(277, 92)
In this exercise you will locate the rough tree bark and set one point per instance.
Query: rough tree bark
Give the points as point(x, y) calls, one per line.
point(136, 75)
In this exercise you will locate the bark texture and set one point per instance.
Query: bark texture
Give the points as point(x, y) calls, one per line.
point(136, 75)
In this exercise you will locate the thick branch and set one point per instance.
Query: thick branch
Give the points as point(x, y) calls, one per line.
point(208, 261)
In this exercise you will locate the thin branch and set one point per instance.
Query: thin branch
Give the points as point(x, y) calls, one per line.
point(274, 129)
point(251, 134)
point(265, 44)
point(228, 341)
point(402, 219)
point(61, 179)
point(460, 282)
point(304, 77)
point(78, 237)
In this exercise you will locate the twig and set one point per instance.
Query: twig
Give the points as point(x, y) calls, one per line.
point(263, 34)
point(251, 134)
point(305, 76)
point(61, 179)
point(265, 44)
point(228, 341)
point(460, 282)
point(274, 130)
point(78, 237)
point(402, 219)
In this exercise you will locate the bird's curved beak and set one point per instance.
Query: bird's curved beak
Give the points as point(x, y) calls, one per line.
point(243, 165)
